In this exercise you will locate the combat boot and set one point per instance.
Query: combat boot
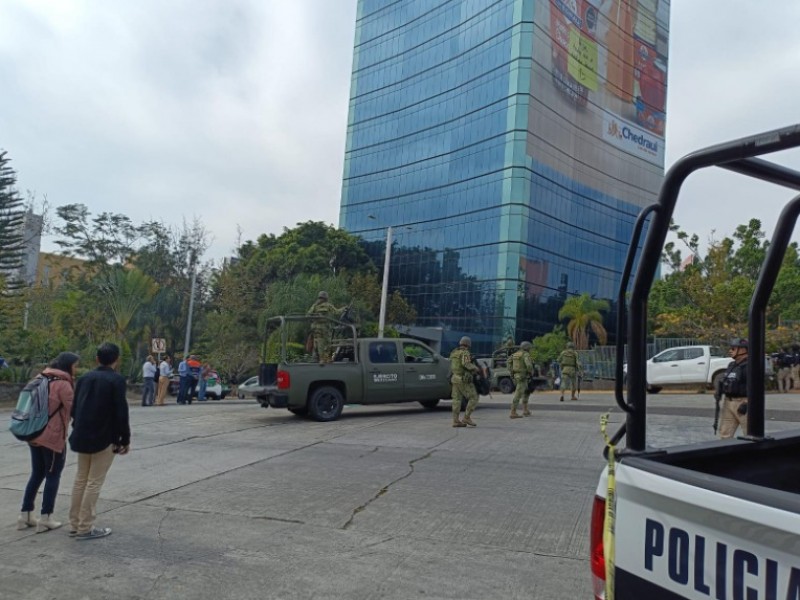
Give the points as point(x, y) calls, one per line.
point(574, 398)
point(514, 414)
point(562, 398)
point(458, 423)
point(526, 411)
point(468, 421)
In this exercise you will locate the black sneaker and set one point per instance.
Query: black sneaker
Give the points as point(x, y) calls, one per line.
point(94, 533)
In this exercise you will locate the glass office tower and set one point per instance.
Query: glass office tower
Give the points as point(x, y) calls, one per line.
point(510, 145)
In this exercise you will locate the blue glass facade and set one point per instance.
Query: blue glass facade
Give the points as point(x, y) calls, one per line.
point(453, 141)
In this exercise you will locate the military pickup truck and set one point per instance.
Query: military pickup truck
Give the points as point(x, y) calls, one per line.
point(362, 371)
point(716, 519)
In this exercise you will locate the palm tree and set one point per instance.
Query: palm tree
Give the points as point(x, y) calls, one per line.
point(125, 291)
point(583, 313)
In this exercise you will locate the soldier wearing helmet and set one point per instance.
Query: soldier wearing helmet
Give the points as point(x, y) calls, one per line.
point(521, 369)
point(322, 327)
point(570, 366)
point(462, 380)
point(734, 391)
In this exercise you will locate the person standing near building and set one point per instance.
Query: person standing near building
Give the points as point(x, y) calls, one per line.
point(570, 365)
point(164, 372)
point(322, 328)
point(734, 391)
point(521, 369)
point(100, 429)
point(149, 372)
point(783, 367)
point(49, 448)
point(463, 383)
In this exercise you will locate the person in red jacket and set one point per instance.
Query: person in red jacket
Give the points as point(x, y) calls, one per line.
point(49, 450)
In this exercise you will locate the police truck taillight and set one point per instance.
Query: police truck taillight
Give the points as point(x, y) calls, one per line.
point(596, 556)
point(283, 380)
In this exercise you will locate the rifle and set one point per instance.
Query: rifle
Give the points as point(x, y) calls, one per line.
point(481, 379)
point(717, 398)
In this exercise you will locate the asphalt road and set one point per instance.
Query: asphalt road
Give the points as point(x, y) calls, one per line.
point(229, 500)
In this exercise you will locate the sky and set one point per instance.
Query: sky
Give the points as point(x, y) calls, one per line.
point(235, 111)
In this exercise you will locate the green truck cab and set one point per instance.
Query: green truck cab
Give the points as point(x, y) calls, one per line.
point(362, 371)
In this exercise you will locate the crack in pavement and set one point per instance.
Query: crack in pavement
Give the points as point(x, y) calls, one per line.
point(385, 488)
point(160, 552)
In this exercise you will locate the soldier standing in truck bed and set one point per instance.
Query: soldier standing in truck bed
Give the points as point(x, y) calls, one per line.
point(322, 328)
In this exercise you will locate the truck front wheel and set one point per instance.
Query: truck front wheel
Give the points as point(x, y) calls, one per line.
point(325, 404)
point(506, 385)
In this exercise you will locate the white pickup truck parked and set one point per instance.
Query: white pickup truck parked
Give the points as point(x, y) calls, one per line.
point(687, 365)
point(713, 520)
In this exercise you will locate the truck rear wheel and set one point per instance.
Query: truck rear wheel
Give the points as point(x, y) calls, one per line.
point(429, 404)
point(506, 385)
point(326, 403)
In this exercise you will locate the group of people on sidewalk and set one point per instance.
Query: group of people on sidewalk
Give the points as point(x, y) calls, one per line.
point(98, 410)
point(193, 374)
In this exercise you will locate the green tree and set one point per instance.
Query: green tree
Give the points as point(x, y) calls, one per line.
point(12, 217)
point(546, 348)
point(583, 314)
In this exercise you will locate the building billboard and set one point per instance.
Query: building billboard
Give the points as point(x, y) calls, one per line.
point(599, 88)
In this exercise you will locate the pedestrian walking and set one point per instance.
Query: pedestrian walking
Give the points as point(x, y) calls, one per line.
point(164, 373)
point(570, 366)
point(149, 371)
point(522, 371)
point(463, 383)
point(49, 449)
point(100, 430)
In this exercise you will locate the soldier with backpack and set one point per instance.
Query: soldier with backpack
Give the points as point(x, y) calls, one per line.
point(570, 370)
point(48, 448)
point(522, 370)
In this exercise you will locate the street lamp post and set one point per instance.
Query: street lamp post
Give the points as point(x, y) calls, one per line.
point(385, 288)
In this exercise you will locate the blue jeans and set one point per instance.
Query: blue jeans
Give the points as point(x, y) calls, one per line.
point(183, 391)
point(201, 395)
point(148, 391)
point(46, 466)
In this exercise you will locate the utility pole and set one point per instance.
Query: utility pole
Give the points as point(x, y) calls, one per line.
point(191, 308)
point(385, 288)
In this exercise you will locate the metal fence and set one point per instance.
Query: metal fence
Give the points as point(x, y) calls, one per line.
point(600, 362)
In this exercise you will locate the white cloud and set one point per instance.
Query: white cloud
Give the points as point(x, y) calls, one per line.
point(235, 110)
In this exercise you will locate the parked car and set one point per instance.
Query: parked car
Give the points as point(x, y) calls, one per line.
point(686, 365)
point(248, 388)
point(215, 389)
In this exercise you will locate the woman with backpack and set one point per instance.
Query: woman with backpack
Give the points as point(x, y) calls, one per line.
point(48, 449)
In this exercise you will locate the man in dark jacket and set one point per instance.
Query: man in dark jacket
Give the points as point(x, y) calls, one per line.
point(100, 429)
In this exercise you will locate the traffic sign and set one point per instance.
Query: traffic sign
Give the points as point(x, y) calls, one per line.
point(159, 345)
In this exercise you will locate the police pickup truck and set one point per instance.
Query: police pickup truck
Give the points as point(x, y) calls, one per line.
point(362, 371)
point(718, 519)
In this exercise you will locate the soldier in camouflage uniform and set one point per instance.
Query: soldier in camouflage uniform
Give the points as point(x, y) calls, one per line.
point(522, 370)
point(570, 368)
point(463, 370)
point(322, 329)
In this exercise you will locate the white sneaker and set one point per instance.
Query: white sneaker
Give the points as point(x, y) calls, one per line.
point(46, 523)
point(25, 520)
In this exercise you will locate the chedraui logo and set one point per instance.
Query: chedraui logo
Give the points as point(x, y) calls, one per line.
point(627, 136)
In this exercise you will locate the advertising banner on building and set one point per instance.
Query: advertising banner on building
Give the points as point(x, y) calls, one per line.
point(599, 83)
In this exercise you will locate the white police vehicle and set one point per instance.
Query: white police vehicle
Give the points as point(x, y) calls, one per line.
point(719, 519)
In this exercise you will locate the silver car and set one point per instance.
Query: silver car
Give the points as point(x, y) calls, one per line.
point(247, 388)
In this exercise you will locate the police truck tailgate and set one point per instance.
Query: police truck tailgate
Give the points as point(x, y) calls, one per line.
point(719, 520)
